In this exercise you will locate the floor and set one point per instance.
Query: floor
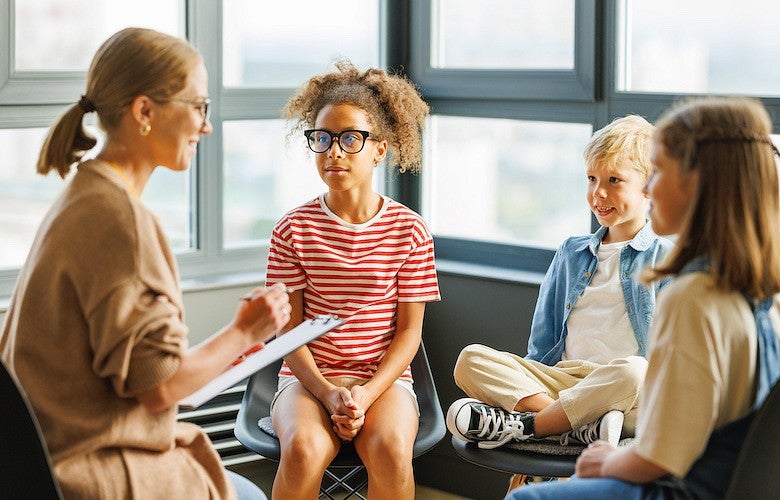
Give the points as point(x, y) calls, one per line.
point(262, 473)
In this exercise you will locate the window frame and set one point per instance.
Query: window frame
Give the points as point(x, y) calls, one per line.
point(532, 95)
point(577, 84)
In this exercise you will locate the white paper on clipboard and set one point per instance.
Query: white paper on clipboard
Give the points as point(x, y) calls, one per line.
point(273, 351)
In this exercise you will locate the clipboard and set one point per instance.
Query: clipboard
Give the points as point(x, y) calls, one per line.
point(274, 350)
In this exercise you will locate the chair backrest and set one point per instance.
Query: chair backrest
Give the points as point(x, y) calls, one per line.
point(758, 465)
point(260, 391)
point(25, 467)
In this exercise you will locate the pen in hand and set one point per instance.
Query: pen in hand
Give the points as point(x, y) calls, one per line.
point(249, 351)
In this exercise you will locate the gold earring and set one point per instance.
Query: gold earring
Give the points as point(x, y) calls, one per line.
point(144, 131)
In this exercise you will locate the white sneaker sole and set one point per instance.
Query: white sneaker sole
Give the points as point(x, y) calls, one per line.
point(611, 426)
point(454, 412)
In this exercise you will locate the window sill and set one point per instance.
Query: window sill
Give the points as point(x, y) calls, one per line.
point(486, 272)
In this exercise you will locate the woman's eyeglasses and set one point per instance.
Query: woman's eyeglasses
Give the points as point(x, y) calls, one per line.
point(203, 106)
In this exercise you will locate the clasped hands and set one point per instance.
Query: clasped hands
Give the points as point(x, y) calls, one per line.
point(347, 409)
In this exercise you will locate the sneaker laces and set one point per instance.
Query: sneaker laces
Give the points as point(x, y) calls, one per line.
point(498, 427)
point(586, 434)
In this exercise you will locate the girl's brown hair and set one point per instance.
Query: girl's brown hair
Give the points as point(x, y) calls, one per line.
point(735, 217)
point(133, 62)
point(391, 102)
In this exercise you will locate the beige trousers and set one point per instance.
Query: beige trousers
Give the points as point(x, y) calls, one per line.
point(585, 389)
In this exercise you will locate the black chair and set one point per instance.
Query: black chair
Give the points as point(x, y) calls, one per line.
point(256, 404)
point(25, 467)
point(758, 465)
point(520, 463)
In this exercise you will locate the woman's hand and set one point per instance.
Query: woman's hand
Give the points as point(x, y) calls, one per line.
point(263, 312)
point(590, 463)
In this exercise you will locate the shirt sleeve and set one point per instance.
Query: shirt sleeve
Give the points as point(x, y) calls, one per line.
point(138, 337)
point(283, 264)
point(543, 325)
point(417, 279)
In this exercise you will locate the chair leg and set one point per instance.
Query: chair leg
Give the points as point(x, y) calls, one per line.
point(516, 480)
point(342, 483)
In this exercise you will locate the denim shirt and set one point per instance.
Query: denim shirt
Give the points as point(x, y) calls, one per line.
point(570, 272)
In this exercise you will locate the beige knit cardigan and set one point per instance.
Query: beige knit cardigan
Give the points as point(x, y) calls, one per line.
point(96, 317)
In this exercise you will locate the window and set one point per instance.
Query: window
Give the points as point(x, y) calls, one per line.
point(267, 47)
point(264, 177)
point(506, 181)
point(503, 177)
point(500, 49)
point(281, 44)
point(516, 87)
point(704, 47)
point(42, 26)
point(40, 58)
point(542, 35)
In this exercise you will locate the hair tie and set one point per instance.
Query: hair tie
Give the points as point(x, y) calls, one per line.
point(717, 134)
point(86, 105)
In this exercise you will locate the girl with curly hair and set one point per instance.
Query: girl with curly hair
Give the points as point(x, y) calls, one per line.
point(358, 254)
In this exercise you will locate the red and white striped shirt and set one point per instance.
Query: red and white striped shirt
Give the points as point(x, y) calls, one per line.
point(355, 271)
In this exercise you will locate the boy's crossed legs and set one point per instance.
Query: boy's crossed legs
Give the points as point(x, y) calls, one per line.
point(569, 398)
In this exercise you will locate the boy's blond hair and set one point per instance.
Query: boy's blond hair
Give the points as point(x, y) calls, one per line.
point(626, 138)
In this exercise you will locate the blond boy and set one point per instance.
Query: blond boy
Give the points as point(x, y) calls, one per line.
point(588, 342)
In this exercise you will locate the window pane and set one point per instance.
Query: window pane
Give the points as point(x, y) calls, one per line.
point(503, 34)
point(63, 35)
point(700, 46)
point(25, 196)
point(168, 195)
point(281, 44)
point(506, 181)
point(264, 177)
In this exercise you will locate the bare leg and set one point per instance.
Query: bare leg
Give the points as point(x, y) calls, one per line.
point(551, 421)
point(550, 417)
point(386, 442)
point(535, 402)
point(307, 443)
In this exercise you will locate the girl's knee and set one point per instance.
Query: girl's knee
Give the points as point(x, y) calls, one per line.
point(391, 450)
point(308, 448)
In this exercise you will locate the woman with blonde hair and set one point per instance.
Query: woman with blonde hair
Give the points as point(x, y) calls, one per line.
point(95, 331)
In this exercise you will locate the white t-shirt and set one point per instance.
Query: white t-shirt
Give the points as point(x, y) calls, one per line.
point(598, 327)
